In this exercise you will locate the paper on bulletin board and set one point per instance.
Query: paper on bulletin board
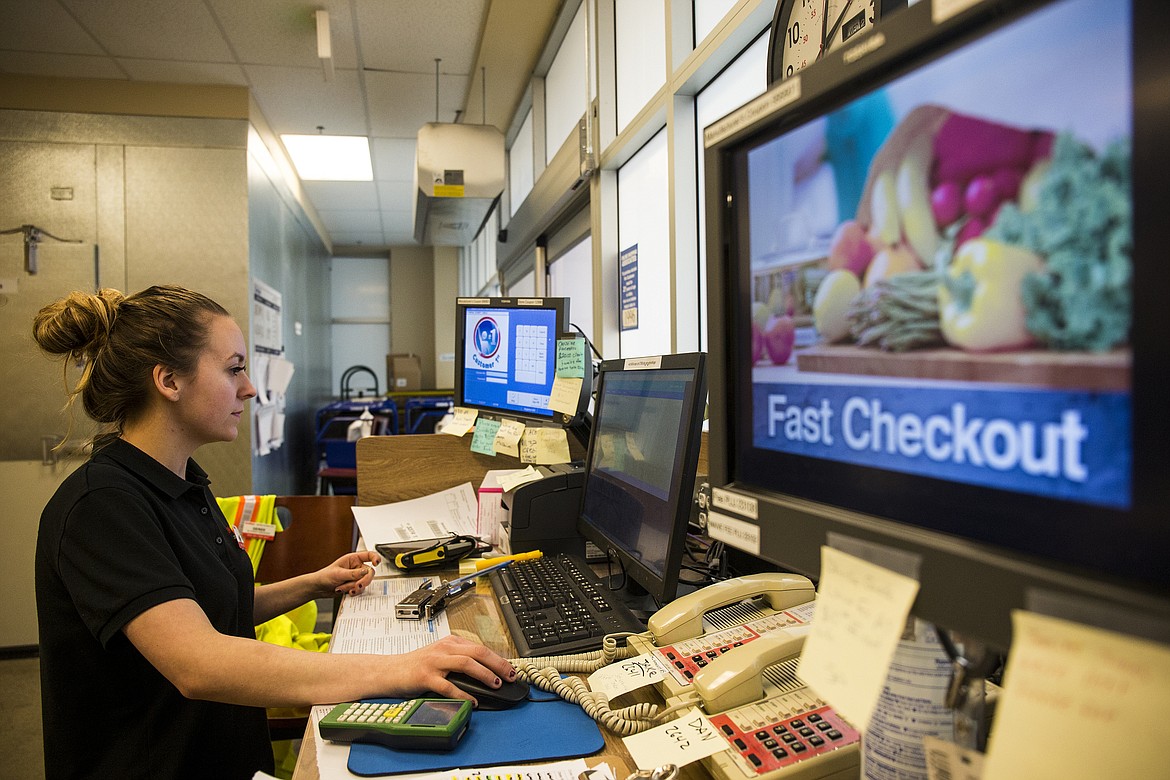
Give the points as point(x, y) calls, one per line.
point(861, 611)
point(1065, 679)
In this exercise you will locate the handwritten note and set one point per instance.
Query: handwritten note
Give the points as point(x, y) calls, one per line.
point(484, 439)
point(628, 675)
point(565, 394)
point(679, 742)
point(508, 437)
point(861, 611)
point(1065, 679)
point(461, 421)
point(544, 446)
point(571, 357)
point(519, 477)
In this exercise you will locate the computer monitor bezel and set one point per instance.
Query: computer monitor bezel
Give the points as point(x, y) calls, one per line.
point(965, 585)
point(661, 588)
point(560, 306)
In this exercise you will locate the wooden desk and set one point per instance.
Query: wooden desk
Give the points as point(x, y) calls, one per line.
point(477, 616)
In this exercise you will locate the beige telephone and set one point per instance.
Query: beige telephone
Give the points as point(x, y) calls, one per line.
point(743, 676)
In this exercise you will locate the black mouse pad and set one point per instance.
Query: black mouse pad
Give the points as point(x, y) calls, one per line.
point(544, 728)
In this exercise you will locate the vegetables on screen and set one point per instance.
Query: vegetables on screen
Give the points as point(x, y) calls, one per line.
point(779, 336)
point(913, 192)
point(831, 304)
point(980, 302)
point(1076, 213)
point(899, 313)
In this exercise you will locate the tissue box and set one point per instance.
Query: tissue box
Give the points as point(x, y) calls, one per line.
point(404, 372)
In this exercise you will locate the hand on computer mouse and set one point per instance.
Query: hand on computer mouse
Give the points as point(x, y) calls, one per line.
point(509, 694)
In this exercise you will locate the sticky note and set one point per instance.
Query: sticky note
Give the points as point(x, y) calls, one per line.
point(679, 742)
point(861, 613)
point(462, 419)
point(628, 675)
point(508, 437)
point(571, 357)
point(566, 392)
point(1066, 681)
point(544, 446)
point(484, 440)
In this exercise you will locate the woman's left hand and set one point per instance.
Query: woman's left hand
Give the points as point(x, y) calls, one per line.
point(351, 573)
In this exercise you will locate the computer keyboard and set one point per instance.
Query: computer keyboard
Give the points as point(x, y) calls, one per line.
point(556, 605)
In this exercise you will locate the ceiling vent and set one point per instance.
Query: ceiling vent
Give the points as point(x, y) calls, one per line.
point(459, 173)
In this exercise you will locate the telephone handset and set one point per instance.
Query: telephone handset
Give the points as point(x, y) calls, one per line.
point(736, 677)
point(683, 618)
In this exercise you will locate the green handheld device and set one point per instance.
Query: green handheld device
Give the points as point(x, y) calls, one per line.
point(416, 724)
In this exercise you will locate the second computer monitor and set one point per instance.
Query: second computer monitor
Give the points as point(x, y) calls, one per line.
point(640, 472)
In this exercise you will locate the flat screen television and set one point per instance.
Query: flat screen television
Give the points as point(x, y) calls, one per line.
point(640, 469)
point(505, 357)
point(938, 293)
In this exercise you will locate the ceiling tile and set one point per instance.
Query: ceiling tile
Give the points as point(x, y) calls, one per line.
point(401, 103)
point(407, 35)
point(184, 72)
point(395, 192)
point(277, 32)
point(66, 66)
point(343, 195)
point(357, 239)
point(56, 30)
point(298, 100)
point(351, 221)
point(154, 29)
point(393, 158)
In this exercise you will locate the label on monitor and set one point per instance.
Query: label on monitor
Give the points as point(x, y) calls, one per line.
point(734, 502)
point(739, 534)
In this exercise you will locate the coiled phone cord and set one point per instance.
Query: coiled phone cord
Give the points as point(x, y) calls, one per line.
point(545, 673)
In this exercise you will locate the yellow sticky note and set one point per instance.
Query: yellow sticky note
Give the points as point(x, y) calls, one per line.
point(1065, 681)
point(461, 422)
point(861, 612)
point(544, 446)
point(566, 392)
point(508, 437)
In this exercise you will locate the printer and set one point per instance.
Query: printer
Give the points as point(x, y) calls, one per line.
point(542, 514)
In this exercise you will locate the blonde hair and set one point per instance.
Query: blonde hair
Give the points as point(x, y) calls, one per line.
point(119, 340)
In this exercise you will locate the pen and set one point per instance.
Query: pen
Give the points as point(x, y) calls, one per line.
point(483, 563)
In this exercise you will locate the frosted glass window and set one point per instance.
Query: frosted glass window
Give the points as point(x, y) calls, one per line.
point(520, 165)
point(360, 290)
point(524, 286)
point(709, 13)
point(640, 32)
point(571, 276)
point(745, 78)
point(643, 223)
point(565, 95)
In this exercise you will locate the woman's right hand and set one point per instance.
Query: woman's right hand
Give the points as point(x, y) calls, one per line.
point(425, 670)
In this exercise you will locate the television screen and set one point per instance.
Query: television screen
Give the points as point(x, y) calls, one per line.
point(941, 303)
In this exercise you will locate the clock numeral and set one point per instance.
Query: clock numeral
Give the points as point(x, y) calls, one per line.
point(794, 34)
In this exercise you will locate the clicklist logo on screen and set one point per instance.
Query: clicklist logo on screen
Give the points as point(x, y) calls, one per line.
point(487, 339)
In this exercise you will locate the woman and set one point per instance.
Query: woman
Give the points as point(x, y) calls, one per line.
point(146, 603)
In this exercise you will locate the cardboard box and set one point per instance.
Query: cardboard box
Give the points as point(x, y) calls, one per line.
point(403, 372)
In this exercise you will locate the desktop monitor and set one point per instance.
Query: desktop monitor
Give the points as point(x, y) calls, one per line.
point(640, 469)
point(938, 286)
point(505, 357)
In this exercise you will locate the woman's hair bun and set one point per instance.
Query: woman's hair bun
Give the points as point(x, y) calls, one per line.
point(78, 324)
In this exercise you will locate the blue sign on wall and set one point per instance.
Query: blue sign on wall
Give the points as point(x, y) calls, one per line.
point(628, 294)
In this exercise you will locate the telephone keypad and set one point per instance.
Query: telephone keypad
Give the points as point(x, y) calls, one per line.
point(795, 735)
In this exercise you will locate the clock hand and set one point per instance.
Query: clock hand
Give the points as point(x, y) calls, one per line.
point(836, 25)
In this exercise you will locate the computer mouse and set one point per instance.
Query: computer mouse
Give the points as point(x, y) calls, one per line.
point(509, 694)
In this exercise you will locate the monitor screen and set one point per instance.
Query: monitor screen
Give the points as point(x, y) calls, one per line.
point(640, 471)
point(938, 326)
point(506, 351)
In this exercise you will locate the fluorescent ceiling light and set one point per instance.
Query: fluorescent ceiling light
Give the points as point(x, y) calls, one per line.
point(330, 157)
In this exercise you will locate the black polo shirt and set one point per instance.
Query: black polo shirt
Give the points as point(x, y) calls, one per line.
point(121, 535)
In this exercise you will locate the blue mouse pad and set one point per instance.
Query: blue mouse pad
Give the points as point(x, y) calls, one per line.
point(544, 728)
